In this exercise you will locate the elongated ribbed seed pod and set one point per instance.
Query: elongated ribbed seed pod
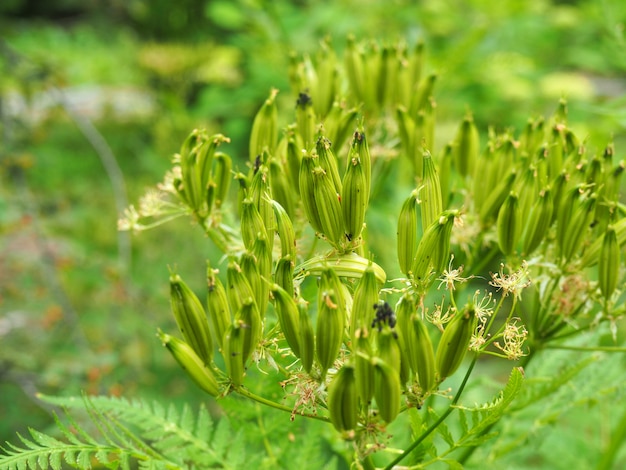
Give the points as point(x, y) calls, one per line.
point(331, 320)
point(365, 296)
point(467, 146)
point(250, 269)
point(307, 191)
point(433, 249)
point(288, 317)
point(264, 133)
point(306, 336)
point(608, 267)
point(388, 348)
point(261, 194)
point(387, 390)
point(422, 355)
point(578, 226)
point(238, 286)
point(285, 231)
point(353, 63)
point(305, 120)
point(262, 251)
point(217, 305)
point(592, 253)
point(354, 199)
point(233, 352)
point(495, 199)
point(538, 223)
point(191, 318)
point(281, 188)
point(251, 223)
point(343, 399)
point(221, 176)
point(248, 318)
point(283, 274)
point(363, 366)
point(328, 161)
point(509, 225)
point(191, 363)
point(455, 341)
point(430, 195)
point(407, 233)
point(328, 207)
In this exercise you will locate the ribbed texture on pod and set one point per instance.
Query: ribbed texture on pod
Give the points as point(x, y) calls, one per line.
point(217, 305)
point(288, 317)
point(261, 193)
point(191, 363)
point(430, 195)
point(305, 120)
point(354, 199)
point(345, 265)
point(467, 147)
point(422, 355)
point(248, 318)
point(365, 297)
point(608, 267)
point(455, 341)
point(191, 318)
point(509, 225)
point(233, 352)
point(307, 191)
point(331, 320)
point(264, 133)
point(306, 337)
point(388, 348)
point(433, 250)
point(282, 191)
point(363, 366)
point(251, 223)
point(343, 400)
point(222, 176)
point(578, 226)
point(328, 207)
point(387, 390)
point(328, 161)
point(285, 231)
point(407, 233)
point(238, 286)
point(538, 222)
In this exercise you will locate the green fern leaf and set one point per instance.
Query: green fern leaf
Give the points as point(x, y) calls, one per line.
point(204, 424)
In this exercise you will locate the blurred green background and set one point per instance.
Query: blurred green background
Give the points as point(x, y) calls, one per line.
point(95, 97)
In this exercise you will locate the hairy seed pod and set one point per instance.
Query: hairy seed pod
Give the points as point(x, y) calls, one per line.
point(348, 265)
point(217, 305)
point(354, 199)
point(430, 194)
point(365, 296)
point(455, 341)
point(288, 317)
point(306, 337)
point(387, 390)
point(509, 224)
point(467, 146)
point(608, 267)
point(264, 133)
point(222, 176)
point(191, 318)
point(233, 352)
point(343, 399)
point(363, 366)
point(407, 233)
point(191, 363)
point(538, 223)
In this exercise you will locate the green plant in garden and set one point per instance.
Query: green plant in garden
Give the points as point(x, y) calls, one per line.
point(508, 248)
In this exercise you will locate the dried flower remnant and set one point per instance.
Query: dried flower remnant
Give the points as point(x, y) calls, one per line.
point(513, 338)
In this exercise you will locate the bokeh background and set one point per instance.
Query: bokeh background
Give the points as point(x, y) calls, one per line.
point(96, 96)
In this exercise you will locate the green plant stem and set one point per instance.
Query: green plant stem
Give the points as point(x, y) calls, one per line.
point(441, 419)
point(264, 401)
point(586, 348)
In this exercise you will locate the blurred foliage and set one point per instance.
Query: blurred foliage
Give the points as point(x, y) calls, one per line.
point(73, 316)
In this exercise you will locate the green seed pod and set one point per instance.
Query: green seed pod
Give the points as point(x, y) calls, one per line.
point(339, 123)
point(433, 251)
point(496, 198)
point(416, 65)
point(608, 269)
point(577, 226)
point(261, 194)
point(406, 131)
point(285, 231)
point(354, 199)
point(193, 365)
point(328, 161)
point(422, 355)
point(360, 148)
point(455, 341)
point(445, 170)
point(467, 146)
point(420, 99)
point(281, 188)
point(305, 120)
point(331, 320)
point(250, 269)
point(283, 274)
point(371, 62)
point(348, 265)
point(251, 223)
point(326, 84)
point(233, 352)
point(407, 233)
point(385, 77)
point(430, 194)
point(343, 399)
point(592, 253)
point(365, 297)
point(288, 317)
point(388, 348)
point(306, 337)
point(353, 64)
point(191, 318)
point(264, 134)
point(262, 251)
point(527, 188)
point(387, 390)
point(294, 158)
point(363, 366)
point(539, 222)
point(249, 320)
point(238, 286)
point(307, 191)
point(217, 305)
point(222, 176)
point(328, 207)
point(509, 224)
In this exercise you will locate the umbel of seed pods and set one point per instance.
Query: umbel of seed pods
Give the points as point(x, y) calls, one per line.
point(363, 351)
